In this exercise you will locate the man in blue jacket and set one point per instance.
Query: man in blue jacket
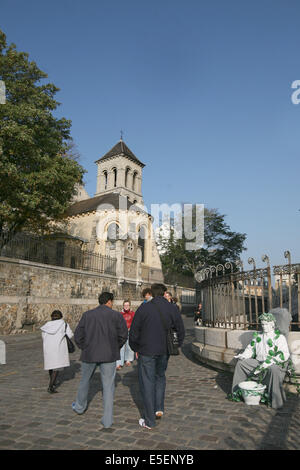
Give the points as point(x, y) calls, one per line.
point(148, 337)
point(100, 334)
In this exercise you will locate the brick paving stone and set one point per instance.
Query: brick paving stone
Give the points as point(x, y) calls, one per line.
point(217, 427)
point(195, 444)
point(63, 422)
point(19, 445)
point(167, 446)
point(95, 443)
point(3, 427)
point(146, 443)
point(4, 443)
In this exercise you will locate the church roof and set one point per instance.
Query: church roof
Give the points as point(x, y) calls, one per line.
point(121, 149)
point(90, 205)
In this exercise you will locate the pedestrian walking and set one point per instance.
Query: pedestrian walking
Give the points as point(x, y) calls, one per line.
point(198, 315)
point(55, 348)
point(126, 353)
point(168, 295)
point(100, 334)
point(148, 338)
point(147, 294)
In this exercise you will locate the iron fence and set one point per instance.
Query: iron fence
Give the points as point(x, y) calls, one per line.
point(57, 253)
point(234, 298)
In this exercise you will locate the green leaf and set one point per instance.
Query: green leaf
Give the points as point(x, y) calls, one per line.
point(281, 355)
point(37, 171)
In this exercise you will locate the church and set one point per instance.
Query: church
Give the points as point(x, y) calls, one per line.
point(114, 223)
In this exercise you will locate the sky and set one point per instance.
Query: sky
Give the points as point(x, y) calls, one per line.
point(202, 90)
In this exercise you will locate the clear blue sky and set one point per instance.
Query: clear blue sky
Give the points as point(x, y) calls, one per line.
point(201, 89)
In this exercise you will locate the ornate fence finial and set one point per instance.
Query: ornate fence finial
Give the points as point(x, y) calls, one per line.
point(212, 270)
point(287, 255)
point(199, 275)
point(266, 259)
point(207, 273)
point(240, 264)
point(219, 268)
point(252, 261)
point(228, 265)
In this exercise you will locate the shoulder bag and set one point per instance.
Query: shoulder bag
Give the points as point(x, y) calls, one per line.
point(172, 336)
point(70, 344)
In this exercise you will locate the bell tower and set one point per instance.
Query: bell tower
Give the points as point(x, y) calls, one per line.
point(119, 170)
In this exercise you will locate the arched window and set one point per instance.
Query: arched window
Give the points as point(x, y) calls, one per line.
point(112, 234)
point(105, 179)
point(115, 177)
point(134, 181)
point(141, 241)
point(126, 176)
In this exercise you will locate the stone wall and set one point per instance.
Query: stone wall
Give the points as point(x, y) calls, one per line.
point(30, 291)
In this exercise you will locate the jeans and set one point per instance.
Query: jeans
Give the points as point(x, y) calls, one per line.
point(108, 373)
point(126, 354)
point(152, 380)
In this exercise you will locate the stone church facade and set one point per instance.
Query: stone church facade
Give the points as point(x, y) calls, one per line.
point(111, 227)
point(114, 223)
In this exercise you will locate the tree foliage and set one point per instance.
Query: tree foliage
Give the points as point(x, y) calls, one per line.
point(37, 170)
point(221, 245)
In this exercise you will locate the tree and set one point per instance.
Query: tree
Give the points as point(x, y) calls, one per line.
point(38, 172)
point(220, 246)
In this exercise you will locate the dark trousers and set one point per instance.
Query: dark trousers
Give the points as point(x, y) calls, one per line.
point(152, 380)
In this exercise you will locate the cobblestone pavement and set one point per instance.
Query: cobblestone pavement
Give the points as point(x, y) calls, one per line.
point(197, 414)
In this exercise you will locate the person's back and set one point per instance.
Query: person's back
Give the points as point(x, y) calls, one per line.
point(99, 334)
point(56, 355)
point(148, 337)
point(147, 333)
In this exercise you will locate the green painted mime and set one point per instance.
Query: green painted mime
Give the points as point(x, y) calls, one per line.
point(268, 355)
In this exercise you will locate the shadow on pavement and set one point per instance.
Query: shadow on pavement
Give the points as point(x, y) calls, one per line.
point(130, 380)
point(69, 373)
point(285, 421)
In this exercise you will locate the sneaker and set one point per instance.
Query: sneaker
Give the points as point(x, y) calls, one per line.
point(119, 367)
point(127, 363)
point(143, 424)
point(159, 414)
point(73, 408)
point(52, 390)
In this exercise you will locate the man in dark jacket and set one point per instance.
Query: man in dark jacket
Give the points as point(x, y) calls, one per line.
point(148, 338)
point(100, 334)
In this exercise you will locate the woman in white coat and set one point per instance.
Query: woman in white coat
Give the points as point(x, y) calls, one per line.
point(56, 354)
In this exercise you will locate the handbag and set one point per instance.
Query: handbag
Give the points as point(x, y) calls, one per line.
point(70, 344)
point(172, 337)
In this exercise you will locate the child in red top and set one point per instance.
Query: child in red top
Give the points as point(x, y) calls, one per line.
point(126, 352)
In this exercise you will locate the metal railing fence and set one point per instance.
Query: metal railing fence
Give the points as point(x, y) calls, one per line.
point(234, 298)
point(56, 253)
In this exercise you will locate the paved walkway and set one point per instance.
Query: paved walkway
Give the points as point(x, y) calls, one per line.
point(198, 415)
